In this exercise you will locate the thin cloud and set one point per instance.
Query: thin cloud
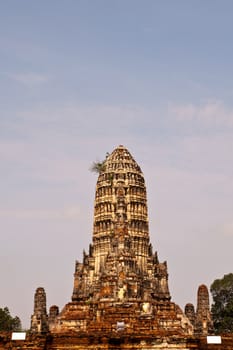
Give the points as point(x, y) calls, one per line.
point(122, 115)
point(214, 113)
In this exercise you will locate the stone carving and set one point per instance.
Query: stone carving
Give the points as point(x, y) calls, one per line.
point(120, 279)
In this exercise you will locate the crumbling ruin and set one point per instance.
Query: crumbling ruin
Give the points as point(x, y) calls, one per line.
point(201, 319)
point(121, 288)
point(39, 319)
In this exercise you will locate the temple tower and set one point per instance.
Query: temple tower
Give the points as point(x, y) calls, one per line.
point(204, 324)
point(120, 208)
point(120, 244)
point(120, 283)
point(39, 319)
point(53, 313)
point(190, 312)
point(201, 319)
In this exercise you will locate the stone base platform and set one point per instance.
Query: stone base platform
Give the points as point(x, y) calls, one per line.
point(112, 341)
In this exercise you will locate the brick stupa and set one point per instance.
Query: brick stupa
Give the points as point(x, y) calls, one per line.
point(121, 297)
point(120, 283)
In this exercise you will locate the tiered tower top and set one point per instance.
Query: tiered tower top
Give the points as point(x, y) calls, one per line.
point(120, 206)
point(120, 158)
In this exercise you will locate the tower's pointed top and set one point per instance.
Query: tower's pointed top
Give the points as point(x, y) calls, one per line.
point(121, 158)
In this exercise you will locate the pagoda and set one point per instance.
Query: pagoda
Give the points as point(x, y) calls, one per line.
point(120, 284)
point(121, 297)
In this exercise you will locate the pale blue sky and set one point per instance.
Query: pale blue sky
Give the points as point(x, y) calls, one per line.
point(78, 78)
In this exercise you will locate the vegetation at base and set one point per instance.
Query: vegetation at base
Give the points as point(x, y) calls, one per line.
point(222, 307)
point(7, 322)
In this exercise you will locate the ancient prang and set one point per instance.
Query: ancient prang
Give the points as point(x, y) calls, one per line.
point(121, 298)
point(39, 319)
point(201, 319)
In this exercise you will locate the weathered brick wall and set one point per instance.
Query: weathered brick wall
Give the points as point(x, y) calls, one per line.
point(111, 341)
point(227, 343)
point(32, 342)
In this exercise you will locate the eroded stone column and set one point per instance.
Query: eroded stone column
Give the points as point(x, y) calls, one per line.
point(39, 319)
point(204, 324)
